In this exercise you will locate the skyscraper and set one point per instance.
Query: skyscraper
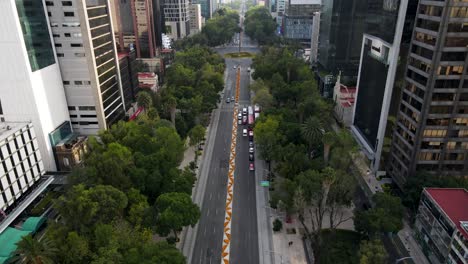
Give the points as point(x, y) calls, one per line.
point(384, 26)
point(31, 89)
point(432, 122)
point(87, 56)
point(176, 14)
point(208, 7)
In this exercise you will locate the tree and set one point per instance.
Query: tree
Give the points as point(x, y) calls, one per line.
point(175, 210)
point(328, 139)
point(372, 252)
point(268, 137)
point(144, 100)
point(312, 131)
point(171, 106)
point(82, 208)
point(263, 98)
point(259, 25)
point(386, 216)
point(33, 251)
point(197, 134)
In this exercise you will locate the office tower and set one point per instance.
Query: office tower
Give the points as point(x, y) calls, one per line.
point(340, 38)
point(195, 18)
point(176, 14)
point(87, 56)
point(432, 121)
point(31, 88)
point(298, 20)
point(21, 161)
point(314, 40)
point(159, 22)
point(133, 24)
point(384, 27)
point(208, 7)
point(280, 10)
point(128, 76)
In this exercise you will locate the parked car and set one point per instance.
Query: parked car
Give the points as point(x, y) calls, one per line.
point(232, 98)
point(234, 67)
point(244, 120)
point(251, 156)
point(251, 144)
point(251, 150)
point(239, 121)
point(239, 116)
point(251, 134)
point(251, 167)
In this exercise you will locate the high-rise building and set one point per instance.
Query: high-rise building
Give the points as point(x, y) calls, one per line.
point(432, 121)
point(208, 7)
point(129, 77)
point(134, 25)
point(195, 18)
point(340, 38)
point(87, 56)
point(384, 26)
point(31, 88)
point(159, 22)
point(298, 20)
point(176, 14)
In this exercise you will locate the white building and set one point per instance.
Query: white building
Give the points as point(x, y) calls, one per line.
point(176, 14)
point(86, 51)
point(21, 161)
point(195, 18)
point(31, 87)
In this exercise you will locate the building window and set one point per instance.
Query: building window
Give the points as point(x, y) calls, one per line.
point(86, 108)
point(49, 3)
point(77, 35)
point(66, 3)
point(67, 83)
point(49, 14)
point(71, 108)
point(73, 116)
point(78, 83)
point(58, 45)
point(74, 45)
point(56, 35)
point(66, 162)
point(80, 54)
point(87, 82)
point(69, 14)
point(60, 55)
point(67, 35)
point(88, 116)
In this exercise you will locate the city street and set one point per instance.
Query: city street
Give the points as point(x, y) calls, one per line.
point(207, 246)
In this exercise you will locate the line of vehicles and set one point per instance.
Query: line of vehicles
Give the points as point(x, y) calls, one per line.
point(247, 117)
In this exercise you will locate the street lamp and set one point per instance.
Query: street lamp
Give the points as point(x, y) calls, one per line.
point(401, 259)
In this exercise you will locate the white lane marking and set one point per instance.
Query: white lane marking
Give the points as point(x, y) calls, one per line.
point(204, 232)
point(208, 214)
point(216, 212)
point(211, 196)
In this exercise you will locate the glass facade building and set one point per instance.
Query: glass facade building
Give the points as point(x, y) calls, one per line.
point(431, 133)
point(35, 33)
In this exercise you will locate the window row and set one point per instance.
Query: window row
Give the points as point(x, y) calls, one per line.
point(76, 54)
point(73, 45)
point(77, 82)
point(68, 35)
point(82, 108)
point(64, 3)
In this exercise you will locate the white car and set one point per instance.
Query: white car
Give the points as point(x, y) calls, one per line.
point(235, 67)
point(244, 132)
point(251, 150)
point(239, 121)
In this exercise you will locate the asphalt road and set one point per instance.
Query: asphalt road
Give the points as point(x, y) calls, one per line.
point(244, 235)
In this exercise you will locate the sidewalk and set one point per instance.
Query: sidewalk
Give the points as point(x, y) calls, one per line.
point(292, 233)
point(189, 156)
point(406, 236)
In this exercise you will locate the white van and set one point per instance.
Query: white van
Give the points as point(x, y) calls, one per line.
point(244, 132)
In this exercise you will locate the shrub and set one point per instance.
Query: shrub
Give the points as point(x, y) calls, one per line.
point(277, 225)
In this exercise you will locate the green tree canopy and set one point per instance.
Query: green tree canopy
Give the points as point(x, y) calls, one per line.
point(372, 252)
point(175, 210)
point(33, 251)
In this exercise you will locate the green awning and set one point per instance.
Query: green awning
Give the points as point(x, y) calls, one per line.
point(8, 240)
point(32, 224)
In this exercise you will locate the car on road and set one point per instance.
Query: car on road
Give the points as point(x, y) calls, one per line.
point(244, 111)
point(239, 121)
point(251, 167)
point(251, 150)
point(251, 144)
point(232, 98)
point(248, 69)
point(251, 157)
point(244, 120)
point(239, 116)
point(244, 132)
point(228, 100)
point(235, 67)
point(251, 134)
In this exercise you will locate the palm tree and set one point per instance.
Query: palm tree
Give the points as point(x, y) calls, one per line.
point(328, 140)
point(312, 131)
point(33, 251)
point(172, 104)
point(144, 100)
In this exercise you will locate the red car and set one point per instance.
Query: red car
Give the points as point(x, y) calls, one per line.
point(251, 167)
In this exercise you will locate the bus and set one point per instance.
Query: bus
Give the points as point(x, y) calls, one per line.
point(251, 115)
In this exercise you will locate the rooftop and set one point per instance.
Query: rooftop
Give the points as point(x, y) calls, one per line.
point(454, 202)
point(122, 55)
point(146, 75)
point(8, 128)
